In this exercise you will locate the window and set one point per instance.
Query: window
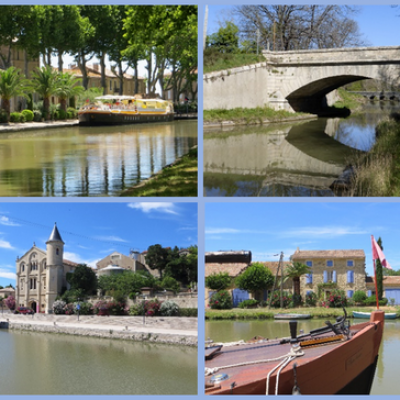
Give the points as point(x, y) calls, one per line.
point(23, 267)
point(329, 276)
point(350, 294)
point(350, 263)
point(350, 276)
point(57, 251)
point(329, 263)
point(309, 264)
point(308, 278)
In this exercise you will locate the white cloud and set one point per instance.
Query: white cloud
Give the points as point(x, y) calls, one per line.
point(111, 239)
point(323, 231)
point(167, 208)
point(80, 260)
point(6, 221)
point(5, 272)
point(6, 245)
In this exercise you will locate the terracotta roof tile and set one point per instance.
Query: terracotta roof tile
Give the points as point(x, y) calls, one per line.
point(388, 281)
point(233, 269)
point(303, 254)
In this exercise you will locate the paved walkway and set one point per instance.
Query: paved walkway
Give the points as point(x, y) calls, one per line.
point(14, 127)
point(160, 329)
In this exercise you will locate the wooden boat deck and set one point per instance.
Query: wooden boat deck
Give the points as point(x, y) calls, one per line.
point(343, 361)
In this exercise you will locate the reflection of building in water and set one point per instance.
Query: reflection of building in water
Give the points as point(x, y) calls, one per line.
point(41, 275)
point(282, 156)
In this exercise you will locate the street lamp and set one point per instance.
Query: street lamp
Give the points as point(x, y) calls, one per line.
point(78, 307)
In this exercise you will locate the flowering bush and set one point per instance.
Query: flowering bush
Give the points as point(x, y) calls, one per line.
point(10, 302)
point(221, 300)
point(85, 308)
point(169, 308)
point(311, 299)
point(59, 307)
point(100, 305)
point(276, 299)
point(116, 308)
point(69, 309)
point(152, 307)
point(336, 299)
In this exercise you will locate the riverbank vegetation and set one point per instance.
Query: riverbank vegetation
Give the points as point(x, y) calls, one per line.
point(248, 116)
point(348, 100)
point(377, 173)
point(176, 180)
point(265, 313)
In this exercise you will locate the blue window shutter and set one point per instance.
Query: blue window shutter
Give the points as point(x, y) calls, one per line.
point(334, 276)
point(349, 294)
point(325, 276)
point(309, 278)
point(350, 276)
point(308, 292)
point(369, 293)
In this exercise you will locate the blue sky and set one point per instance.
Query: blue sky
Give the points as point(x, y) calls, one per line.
point(380, 25)
point(268, 228)
point(91, 231)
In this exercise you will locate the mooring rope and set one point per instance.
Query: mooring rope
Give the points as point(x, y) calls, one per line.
point(292, 354)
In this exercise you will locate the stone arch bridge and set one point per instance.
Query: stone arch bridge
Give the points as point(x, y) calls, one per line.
point(298, 80)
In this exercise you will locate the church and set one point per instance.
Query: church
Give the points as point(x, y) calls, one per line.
point(41, 275)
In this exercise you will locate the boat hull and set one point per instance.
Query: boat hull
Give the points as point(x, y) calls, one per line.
point(367, 315)
point(93, 118)
point(345, 367)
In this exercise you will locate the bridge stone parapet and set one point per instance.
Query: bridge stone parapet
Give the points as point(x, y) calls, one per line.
point(298, 80)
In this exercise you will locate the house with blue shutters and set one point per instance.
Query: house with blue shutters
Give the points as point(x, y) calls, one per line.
point(341, 269)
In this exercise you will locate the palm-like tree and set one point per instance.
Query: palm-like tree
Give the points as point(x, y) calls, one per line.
point(12, 83)
point(44, 83)
point(295, 271)
point(67, 87)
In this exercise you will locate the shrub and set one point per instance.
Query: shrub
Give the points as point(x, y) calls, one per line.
point(85, 308)
point(188, 312)
point(59, 307)
point(116, 308)
point(276, 299)
point(100, 305)
point(169, 308)
point(336, 299)
point(137, 309)
point(60, 115)
point(311, 299)
point(28, 114)
point(15, 117)
point(359, 296)
point(72, 113)
point(250, 303)
point(3, 117)
point(69, 309)
point(221, 300)
point(171, 284)
point(296, 300)
point(10, 302)
point(37, 116)
point(219, 281)
point(152, 307)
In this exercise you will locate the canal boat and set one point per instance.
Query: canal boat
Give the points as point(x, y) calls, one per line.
point(118, 110)
point(367, 315)
point(336, 359)
point(292, 316)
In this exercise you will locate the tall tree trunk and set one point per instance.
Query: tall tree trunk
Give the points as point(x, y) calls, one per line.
point(60, 62)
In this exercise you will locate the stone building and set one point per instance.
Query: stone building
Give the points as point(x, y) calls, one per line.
point(41, 274)
point(134, 262)
point(341, 269)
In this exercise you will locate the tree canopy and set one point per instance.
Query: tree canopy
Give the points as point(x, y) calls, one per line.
point(255, 278)
point(83, 278)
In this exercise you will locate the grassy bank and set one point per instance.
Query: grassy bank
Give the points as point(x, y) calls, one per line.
point(264, 313)
point(378, 171)
point(218, 61)
point(176, 180)
point(249, 115)
point(348, 100)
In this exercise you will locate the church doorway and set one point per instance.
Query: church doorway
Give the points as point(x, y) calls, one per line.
point(33, 306)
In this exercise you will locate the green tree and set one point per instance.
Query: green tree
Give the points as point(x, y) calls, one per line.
point(67, 86)
point(226, 39)
point(12, 83)
point(83, 278)
point(255, 278)
point(182, 267)
point(379, 272)
point(218, 281)
point(295, 271)
point(44, 83)
point(157, 257)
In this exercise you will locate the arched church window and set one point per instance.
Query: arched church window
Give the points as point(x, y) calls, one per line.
point(57, 250)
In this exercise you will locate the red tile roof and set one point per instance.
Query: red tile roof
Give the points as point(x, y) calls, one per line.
point(233, 269)
point(304, 254)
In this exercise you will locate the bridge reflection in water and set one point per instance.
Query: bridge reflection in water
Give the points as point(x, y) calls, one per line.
point(284, 160)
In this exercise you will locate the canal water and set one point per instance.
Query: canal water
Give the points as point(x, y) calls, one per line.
point(386, 379)
point(89, 161)
point(40, 363)
point(297, 159)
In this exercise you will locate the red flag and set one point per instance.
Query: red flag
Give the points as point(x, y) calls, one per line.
point(377, 253)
